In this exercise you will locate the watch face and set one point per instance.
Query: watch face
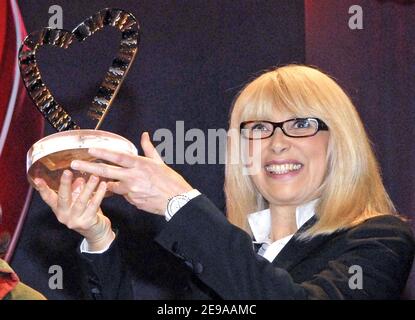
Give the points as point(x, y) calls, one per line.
point(176, 203)
point(175, 206)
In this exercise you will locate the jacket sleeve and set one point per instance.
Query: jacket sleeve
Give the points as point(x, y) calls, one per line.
point(222, 258)
point(105, 275)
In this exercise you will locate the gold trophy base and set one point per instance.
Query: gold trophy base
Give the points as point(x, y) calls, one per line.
point(50, 156)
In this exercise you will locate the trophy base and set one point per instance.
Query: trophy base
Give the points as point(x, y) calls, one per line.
point(50, 156)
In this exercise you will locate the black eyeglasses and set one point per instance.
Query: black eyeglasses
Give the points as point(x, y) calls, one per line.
point(295, 128)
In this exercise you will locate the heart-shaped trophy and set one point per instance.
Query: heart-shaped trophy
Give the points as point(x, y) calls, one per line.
point(50, 156)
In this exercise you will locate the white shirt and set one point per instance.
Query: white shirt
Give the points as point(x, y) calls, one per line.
point(260, 223)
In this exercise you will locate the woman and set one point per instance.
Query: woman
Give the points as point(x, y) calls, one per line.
point(305, 190)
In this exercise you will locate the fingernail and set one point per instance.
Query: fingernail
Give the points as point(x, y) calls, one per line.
point(94, 178)
point(74, 164)
point(67, 173)
point(36, 182)
point(92, 150)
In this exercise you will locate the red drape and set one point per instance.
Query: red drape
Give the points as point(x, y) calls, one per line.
point(21, 125)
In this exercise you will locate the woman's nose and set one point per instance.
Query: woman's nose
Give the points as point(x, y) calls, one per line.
point(279, 141)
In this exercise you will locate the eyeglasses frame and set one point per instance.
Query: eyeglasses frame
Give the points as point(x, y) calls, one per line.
point(275, 125)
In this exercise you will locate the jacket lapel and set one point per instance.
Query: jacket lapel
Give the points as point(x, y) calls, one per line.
point(296, 250)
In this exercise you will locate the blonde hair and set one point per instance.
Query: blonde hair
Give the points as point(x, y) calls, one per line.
point(352, 190)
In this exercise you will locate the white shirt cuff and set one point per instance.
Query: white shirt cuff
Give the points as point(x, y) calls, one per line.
point(85, 249)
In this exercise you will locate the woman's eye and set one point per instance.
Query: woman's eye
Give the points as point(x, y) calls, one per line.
point(259, 127)
point(301, 124)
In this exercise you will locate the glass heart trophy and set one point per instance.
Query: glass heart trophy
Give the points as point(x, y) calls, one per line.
point(50, 156)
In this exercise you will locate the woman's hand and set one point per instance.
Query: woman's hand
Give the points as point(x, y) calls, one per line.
point(76, 207)
point(146, 182)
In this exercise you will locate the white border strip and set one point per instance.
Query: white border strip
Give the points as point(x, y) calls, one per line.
point(12, 102)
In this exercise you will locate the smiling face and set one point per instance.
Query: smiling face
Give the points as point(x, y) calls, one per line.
point(291, 169)
point(337, 165)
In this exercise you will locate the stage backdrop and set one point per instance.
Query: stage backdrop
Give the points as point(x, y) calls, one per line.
point(377, 66)
point(194, 57)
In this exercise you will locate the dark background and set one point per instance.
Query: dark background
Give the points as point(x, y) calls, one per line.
point(377, 67)
point(194, 57)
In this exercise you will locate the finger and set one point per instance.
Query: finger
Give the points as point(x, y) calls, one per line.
point(148, 148)
point(77, 187)
point(95, 202)
point(46, 193)
point(64, 192)
point(100, 169)
point(117, 187)
point(83, 199)
point(121, 159)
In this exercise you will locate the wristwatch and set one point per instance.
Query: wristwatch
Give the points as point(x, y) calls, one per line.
point(175, 203)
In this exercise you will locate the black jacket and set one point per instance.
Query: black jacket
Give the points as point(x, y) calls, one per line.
point(206, 257)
